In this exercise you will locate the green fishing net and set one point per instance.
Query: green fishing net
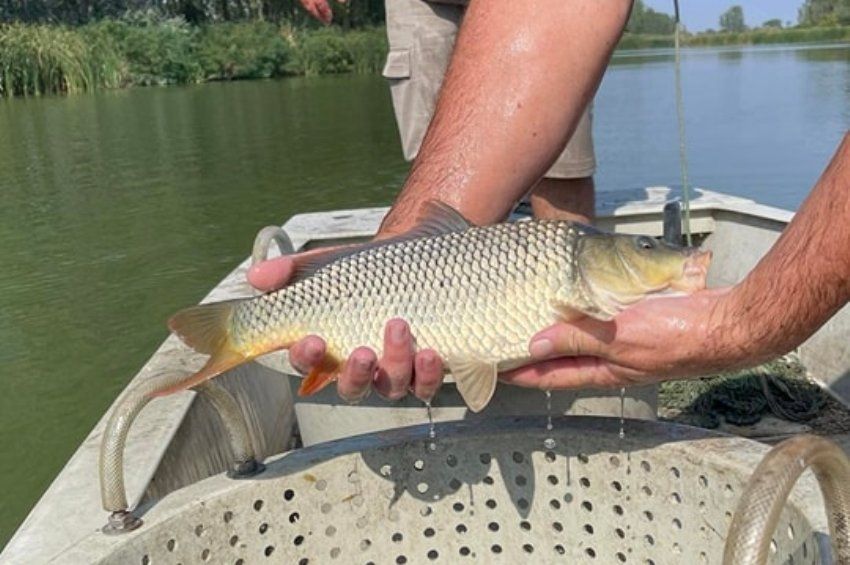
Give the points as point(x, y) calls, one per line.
point(779, 388)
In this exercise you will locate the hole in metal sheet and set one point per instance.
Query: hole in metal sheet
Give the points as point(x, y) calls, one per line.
point(555, 504)
point(559, 549)
point(269, 550)
point(648, 515)
point(525, 525)
point(587, 505)
point(425, 511)
point(728, 490)
point(773, 547)
point(294, 517)
point(299, 539)
point(239, 562)
point(550, 456)
point(488, 480)
point(365, 544)
point(520, 480)
point(458, 507)
point(588, 528)
point(677, 523)
point(649, 539)
point(288, 494)
point(568, 498)
point(621, 557)
point(330, 531)
point(496, 548)
point(464, 551)
point(522, 503)
point(146, 560)
point(386, 470)
point(614, 461)
point(646, 490)
point(703, 481)
point(553, 480)
point(677, 549)
point(326, 507)
point(428, 532)
point(199, 530)
point(454, 484)
point(205, 554)
point(170, 544)
point(321, 484)
point(583, 458)
point(419, 464)
point(585, 482)
point(490, 503)
point(335, 552)
point(422, 488)
point(675, 472)
point(228, 516)
point(461, 528)
point(263, 528)
point(433, 554)
point(589, 551)
point(528, 548)
point(557, 526)
point(620, 533)
point(258, 505)
point(401, 559)
point(518, 457)
point(233, 541)
point(617, 486)
point(451, 460)
point(493, 526)
point(397, 537)
point(484, 458)
point(676, 497)
point(645, 466)
point(790, 531)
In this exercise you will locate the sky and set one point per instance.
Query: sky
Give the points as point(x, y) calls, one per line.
point(699, 15)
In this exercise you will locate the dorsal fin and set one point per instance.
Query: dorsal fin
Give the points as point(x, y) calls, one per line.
point(436, 218)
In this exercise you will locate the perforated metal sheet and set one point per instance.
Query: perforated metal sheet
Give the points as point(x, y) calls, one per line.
point(490, 493)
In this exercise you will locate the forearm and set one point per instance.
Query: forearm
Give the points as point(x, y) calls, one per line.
point(521, 74)
point(802, 281)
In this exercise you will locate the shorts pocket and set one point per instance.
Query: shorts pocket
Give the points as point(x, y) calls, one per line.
point(398, 64)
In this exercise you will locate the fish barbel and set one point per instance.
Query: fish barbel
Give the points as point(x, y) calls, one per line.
point(476, 295)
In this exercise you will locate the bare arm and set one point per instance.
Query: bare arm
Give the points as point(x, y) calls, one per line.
point(520, 76)
point(801, 282)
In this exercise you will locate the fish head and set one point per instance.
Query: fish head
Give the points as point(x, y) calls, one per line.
point(618, 270)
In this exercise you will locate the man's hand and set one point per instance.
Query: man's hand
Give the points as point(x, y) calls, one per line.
point(320, 9)
point(398, 371)
point(654, 340)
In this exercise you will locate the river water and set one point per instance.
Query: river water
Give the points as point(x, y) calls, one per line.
point(118, 208)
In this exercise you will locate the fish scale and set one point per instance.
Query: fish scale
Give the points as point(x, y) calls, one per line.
point(456, 291)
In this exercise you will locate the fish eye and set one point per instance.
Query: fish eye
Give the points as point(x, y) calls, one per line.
point(644, 242)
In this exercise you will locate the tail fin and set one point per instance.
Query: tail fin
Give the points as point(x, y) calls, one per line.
point(204, 328)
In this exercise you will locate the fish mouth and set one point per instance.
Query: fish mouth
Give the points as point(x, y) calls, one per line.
point(694, 272)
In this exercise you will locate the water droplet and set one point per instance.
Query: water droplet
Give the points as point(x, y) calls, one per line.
point(622, 412)
point(549, 443)
point(432, 430)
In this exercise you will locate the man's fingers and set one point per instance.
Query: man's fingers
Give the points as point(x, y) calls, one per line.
point(357, 375)
point(428, 374)
point(570, 373)
point(396, 367)
point(585, 337)
point(307, 353)
point(272, 274)
point(325, 12)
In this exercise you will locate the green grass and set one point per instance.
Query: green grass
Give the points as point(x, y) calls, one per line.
point(147, 49)
point(761, 36)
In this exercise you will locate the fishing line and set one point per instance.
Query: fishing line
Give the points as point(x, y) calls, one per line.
point(680, 115)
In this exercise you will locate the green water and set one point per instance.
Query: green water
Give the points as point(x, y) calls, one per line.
point(116, 209)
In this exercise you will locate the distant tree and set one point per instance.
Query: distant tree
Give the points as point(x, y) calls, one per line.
point(775, 22)
point(824, 13)
point(647, 20)
point(733, 19)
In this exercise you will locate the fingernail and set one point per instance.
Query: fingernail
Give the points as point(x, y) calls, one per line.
point(398, 333)
point(541, 348)
point(364, 365)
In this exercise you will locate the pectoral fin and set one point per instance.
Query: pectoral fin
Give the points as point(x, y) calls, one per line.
point(475, 380)
point(321, 376)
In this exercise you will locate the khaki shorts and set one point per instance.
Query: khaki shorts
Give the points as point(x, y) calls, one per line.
point(421, 36)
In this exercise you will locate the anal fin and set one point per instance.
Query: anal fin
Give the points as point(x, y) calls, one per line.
point(475, 380)
point(320, 376)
